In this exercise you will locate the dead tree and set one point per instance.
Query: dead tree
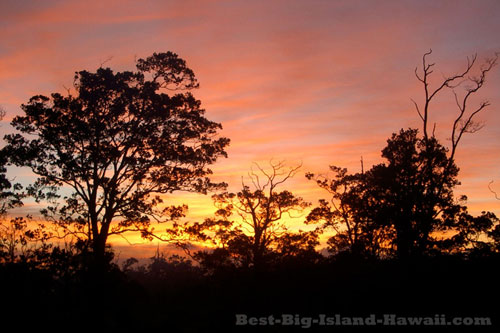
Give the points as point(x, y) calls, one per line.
point(464, 122)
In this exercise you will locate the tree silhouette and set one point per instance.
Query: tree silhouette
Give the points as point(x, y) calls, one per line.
point(440, 184)
point(10, 194)
point(397, 202)
point(464, 122)
point(20, 242)
point(412, 192)
point(494, 234)
point(119, 142)
point(259, 235)
point(346, 213)
point(472, 235)
point(405, 203)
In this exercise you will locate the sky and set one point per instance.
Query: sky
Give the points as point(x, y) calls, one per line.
point(314, 82)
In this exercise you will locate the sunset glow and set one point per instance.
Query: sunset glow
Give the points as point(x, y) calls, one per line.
point(316, 83)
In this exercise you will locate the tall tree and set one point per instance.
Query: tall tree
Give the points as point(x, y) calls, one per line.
point(411, 193)
point(118, 142)
point(440, 185)
point(464, 122)
point(412, 190)
point(405, 204)
point(10, 194)
point(248, 228)
point(346, 214)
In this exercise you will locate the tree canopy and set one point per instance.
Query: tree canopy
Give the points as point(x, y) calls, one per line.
point(119, 141)
point(248, 229)
point(407, 203)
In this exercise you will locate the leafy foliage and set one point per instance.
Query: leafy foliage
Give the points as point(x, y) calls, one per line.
point(119, 143)
point(346, 215)
point(11, 195)
point(259, 236)
point(405, 204)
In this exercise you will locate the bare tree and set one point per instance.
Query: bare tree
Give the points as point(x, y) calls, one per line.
point(248, 226)
point(464, 122)
point(2, 112)
point(410, 196)
point(262, 209)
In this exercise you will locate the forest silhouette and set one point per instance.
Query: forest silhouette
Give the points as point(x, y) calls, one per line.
point(109, 152)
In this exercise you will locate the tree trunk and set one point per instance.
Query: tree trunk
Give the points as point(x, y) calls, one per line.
point(403, 241)
point(99, 253)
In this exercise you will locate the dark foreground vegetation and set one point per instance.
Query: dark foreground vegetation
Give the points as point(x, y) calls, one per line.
point(174, 296)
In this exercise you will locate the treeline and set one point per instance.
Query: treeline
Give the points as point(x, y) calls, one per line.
point(120, 143)
point(61, 288)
